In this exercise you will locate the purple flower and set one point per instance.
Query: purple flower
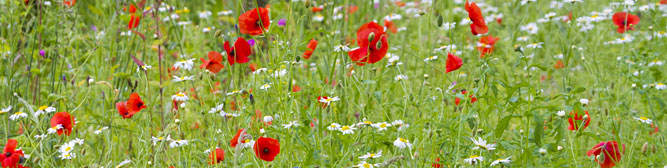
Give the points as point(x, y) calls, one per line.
point(94, 28)
point(282, 22)
point(376, 5)
point(42, 52)
point(251, 42)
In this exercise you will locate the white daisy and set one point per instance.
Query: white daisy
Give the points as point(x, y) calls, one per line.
point(225, 12)
point(268, 119)
point(185, 64)
point(660, 86)
point(18, 115)
point(431, 58)
point(207, 29)
point(54, 129)
point(400, 124)
point(318, 18)
point(381, 126)
point(535, 45)
point(66, 148)
point(531, 28)
point(644, 120)
point(473, 159)
point(229, 115)
point(560, 113)
point(265, 86)
point(159, 139)
point(402, 143)
point(329, 100)
point(178, 143)
point(334, 127)
point(98, 131)
point(481, 144)
point(180, 96)
point(583, 101)
point(233, 92)
point(371, 155)
point(41, 136)
point(347, 129)
point(341, 48)
point(400, 77)
point(363, 164)
point(144, 67)
point(205, 14)
point(291, 124)
point(183, 78)
point(501, 160)
point(393, 60)
point(7, 109)
point(67, 155)
point(44, 110)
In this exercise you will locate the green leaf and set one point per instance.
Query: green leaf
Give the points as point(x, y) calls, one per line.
point(539, 129)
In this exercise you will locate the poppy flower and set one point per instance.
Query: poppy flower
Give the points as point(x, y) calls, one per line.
point(131, 9)
point(373, 46)
point(235, 140)
point(217, 156)
point(559, 64)
point(123, 111)
point(214, 62)
point(316, 9)
point(478, 25)
point(65, 120)
point(135, 104)
point(254, 21)
point(239, 53)
point(436, 164)
point(10, 156)
point(266, 148)
point(69, 3)
point(612, 153)
point(134, 22)
point(324, 105)
point(296, 88)
point(472, 99)
point(663, 2)
point(399, 3)
point(655, 129)
point(485, 44)
point(453, 62)
point(390, 26)
point(576, 120)
point(624, 21)
point(311, 48)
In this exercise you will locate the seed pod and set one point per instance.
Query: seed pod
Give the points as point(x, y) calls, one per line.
point(371, 36)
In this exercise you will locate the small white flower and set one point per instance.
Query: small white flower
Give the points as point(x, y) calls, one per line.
point(47, 3)
point(268, 119)
point(334, 127)
point(182, 78)
point(402, 143)
point(205, 14)
point(67, 155)
point(225, 12)
point(371, 155)
point(328, 100)
point(41, 136)
point(98, 131)
point(158, 139)
point(393, 60)
point(265, 86)
point(44, 110)
point(584, 101)
point(431, 58)
point(660, 86)
point(180, 96)
point(481, 144)
point(318, 18)
point(233, 92)
point(560, 113)
point(363, 164)
point(542, 151)
point(279, 73)
point(535, 45)
point(347, 129)
point(393, 16)
point(473, 159)
point(18, 115)
point(66, 148)
point(185, 64)
point(121, 164)
point(7, 109)
point(644, 120)
point(178, 143)
point(400, 77)
point(291, 124)
point(501, 160)
point(229, 115)
point(524, 2)
point(207, 29)
point(531, 28)
point(400, 124)
point(54, 129)
point(448, 26)
point(76, 141)
point(341, 48)
point(381, 126)
point(559, 148)
point(145, 67)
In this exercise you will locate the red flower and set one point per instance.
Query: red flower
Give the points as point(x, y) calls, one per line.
point(655, 129)
point(132, 9)
point(316, 9)
point(216, 156)
point(239, 53)
point(478, 25)
point(65, 120)
point(663, 2)
point(612, 155)
point(624, 21)
point(235, 140)
point(436, 164)
point(135, 104)
point(311, 48)
point(390, 26)
point(214, 62)
point(134, 22)
point(372, 41)
point(453, 62)
point(576, 120)
point(69, 3)
point(324, 105)
point(266, 148)
point(252, 66)
point(486, 44)
point(296, 88)
point(10, 156)
point(254, 21)
point(122, 110)
point(559, 64)
point(472, 99)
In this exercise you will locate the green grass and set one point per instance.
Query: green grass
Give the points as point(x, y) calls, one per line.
point(87, 68)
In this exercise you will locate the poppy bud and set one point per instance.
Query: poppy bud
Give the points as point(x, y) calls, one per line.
point(421, 13)
point(425, 76)
point(371, 36)
point(218, 33)
point(644, 148)
point(650, 28)
point(298, 58)
point(378, 45)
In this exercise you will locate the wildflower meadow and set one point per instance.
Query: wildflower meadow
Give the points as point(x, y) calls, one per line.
point(333, 83)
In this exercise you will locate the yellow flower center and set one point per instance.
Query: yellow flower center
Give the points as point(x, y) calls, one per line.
point(180, 94)
point(43, 107)
point(368, 122)
point(474, 156)
point(246, 141)
point(403, 140)
point(366, 165)
point(160, 138)
point(345, 128)
point(19, 113)
point(383, 125)
point(372, 154)
point(68, 148)
point(643, 118)
point(594, 16)
point(328, 99)
point(182, 77)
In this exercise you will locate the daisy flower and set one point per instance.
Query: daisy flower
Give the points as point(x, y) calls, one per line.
point(431, 58)
point(394, 60)
point(228, 115)
point(660, 86)
point(158, 139)
point(41, 136)
point(265, 86)
point(144, 67)
point(366, 165)
point(347, 130)
point(530, 28)
point(402, 143)
point(535, 45)
point(501, 160)
point(560, 113)
point(279, 73)
point(185, 64)
point(233, 92)
point(583, 101)
point(644, 120)
point(381, 126)
point(522, 38)
point(180, 96)
point(473, 159)
point(205, 14)
point(44, 109)
point(341, 48)
point(178, 143)
point(291, 124)
point(481, 144)
point(4, 110)
point(54, 129)
point(67, 156)
point(182, 78)
point(66, 148)
point(334, 127)
point(371, 155)
point(98, 131)
point(247, 143)
point(225, 12)
point(318, 18)
point(18, 115)
point(542, 151)
point(400, 124)
point(400, 77)
point(329, 100)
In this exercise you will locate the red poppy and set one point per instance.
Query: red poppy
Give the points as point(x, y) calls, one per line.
point(254, 21)
point(316, 9)
point(655, 129)
point(372, 41)
point(69, 3)
point(134, 22)
point(296, 88)
point(123, 111)
point(478, 25)
point(324, 105)
point(486, 44)
point(252, 66)
point(10, 156)
point(399, 3)
point(472, 99)
point(65, 120)
point(132, 9)
point(352, 9)
point(390, 26)
point(559, 64)
point(663, 2)
point(625, 21)
point(135, 104)
point(217, 156)
point(436, 164)
point(239, 53)
point(266, 148)
point(311, 48)
point(235, 140)
point(576, 120)
point(214, 62)
point(453, 62)
point(612, 154)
